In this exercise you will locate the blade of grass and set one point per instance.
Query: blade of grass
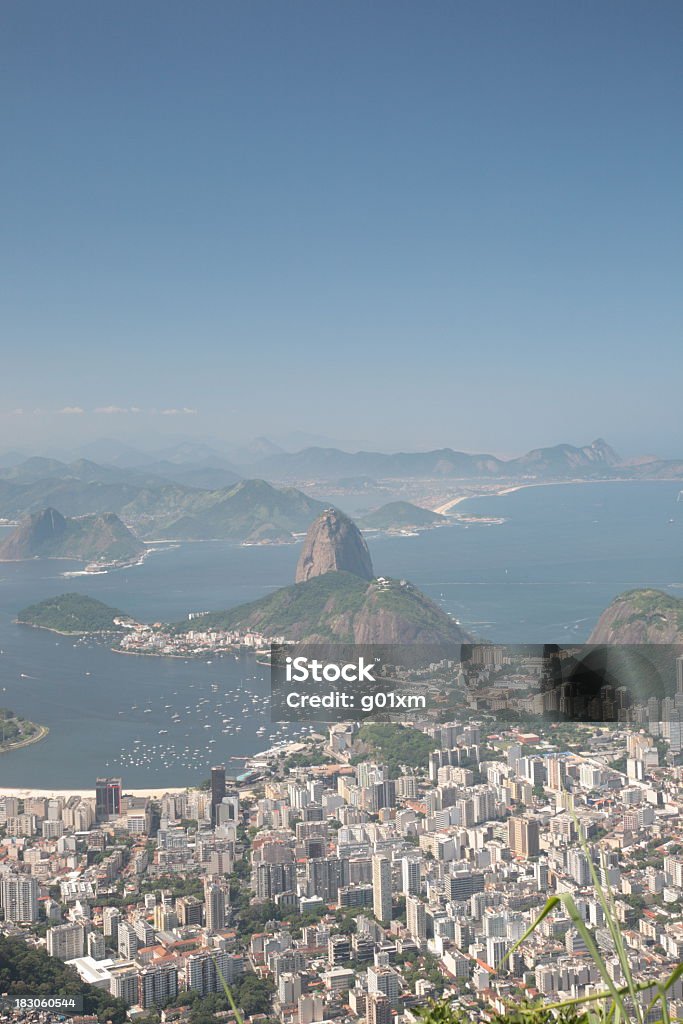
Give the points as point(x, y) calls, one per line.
point(574, 914)
point(228, 992)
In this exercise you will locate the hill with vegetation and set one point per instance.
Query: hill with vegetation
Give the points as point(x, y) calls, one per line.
point(71, 613)
point(49, 534)
point(393, 745)
point(17, 731)
point(178, 504)
point(342, 608)
point(250, 511)
point(641, 617)
point(398, 515)
point(26, 970)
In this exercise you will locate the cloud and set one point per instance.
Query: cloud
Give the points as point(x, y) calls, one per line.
point(179, 412)
point(71, 410)
point(115, 410)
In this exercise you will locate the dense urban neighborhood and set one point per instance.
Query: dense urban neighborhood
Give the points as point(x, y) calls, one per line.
point(354, 876)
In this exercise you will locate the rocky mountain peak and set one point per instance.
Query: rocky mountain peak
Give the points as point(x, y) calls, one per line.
point(334, 544)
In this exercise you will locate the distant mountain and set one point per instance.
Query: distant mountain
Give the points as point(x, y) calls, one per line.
point(333, 464)
point(48, 534)
point(114, 453)
point(641, 617)
point(71, 613)
point(12, 458)
point(564, 459)
point(333, 543)
point(341, 607)
point(156, 505)
point(249, 451)
point(201, 476)
point(561, 461)
point(243, 512)
point(398, 515)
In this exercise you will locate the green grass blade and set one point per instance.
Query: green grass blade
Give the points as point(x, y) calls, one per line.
point(228, 992)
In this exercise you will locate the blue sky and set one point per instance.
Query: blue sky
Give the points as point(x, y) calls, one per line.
point(410, 224)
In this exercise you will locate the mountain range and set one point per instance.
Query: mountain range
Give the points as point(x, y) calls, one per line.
point(192, 493)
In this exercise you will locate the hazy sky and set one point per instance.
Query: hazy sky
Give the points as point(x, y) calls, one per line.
point(410, 223)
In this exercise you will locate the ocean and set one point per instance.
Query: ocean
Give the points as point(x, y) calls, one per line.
point(543, 575)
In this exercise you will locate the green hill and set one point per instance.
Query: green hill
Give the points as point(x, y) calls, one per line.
point(641, 617)
point(71, 613)
point(251, 510)
point(49, 534)
point(393, 745)
point(398, 515)
point(340, 607)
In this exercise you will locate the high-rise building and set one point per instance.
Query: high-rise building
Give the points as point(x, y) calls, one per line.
point(416, 918)
point(461, 885)
point(107, 798)
point(384, 980)
point(127, 940)
point(65, 941)
point(95, 945)
point(228, 809)
point(381, 882)
point(190, 910)
point(144, 932)
point(272, 879)
point(338, 950)
point(19, 898)
point(124, 983)
point(378, 1009)
point(496, 948)
point(215, 898)
point(410, 876)
point(523, 837)
point(203, 970)
point(110, 925)
point(325, 876)
point(217, 789)
point(157, 983)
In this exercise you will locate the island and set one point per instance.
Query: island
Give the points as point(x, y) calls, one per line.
point(399, 516)
point(73, 614)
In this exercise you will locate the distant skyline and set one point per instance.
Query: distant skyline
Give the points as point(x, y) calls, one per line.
point(404, 225)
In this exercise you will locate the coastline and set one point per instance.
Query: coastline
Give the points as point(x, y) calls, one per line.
point(511, 488)
point(24, 793)
point(43, 730)
point(63, 632)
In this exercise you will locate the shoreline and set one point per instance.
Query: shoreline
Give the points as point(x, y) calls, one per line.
point(28, 793)
point(62, 632)
point(511, 488)
point(153, 792)
point(43, 731)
